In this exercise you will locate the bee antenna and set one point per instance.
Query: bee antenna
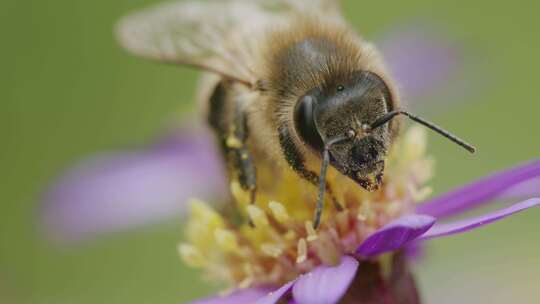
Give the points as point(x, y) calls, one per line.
point(322, 178)
point(391, 115)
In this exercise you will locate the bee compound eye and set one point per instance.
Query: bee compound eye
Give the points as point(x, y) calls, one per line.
point(304, 122)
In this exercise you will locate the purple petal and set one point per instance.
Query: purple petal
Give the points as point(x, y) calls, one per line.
point(120, 190)
point(240, 296)
point(414, 251)
point(396, 235)
point(275, 296)
point(325, 285)
point(421, 61)
point(530, 188)
point(440, 230)
point(481, 192)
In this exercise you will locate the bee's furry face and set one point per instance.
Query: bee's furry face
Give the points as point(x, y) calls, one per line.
point(347, 109)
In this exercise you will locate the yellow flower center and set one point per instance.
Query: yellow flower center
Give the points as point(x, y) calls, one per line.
point(274, 241)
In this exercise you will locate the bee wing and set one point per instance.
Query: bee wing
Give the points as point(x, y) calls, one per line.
point(328, 7)
point(218, 36)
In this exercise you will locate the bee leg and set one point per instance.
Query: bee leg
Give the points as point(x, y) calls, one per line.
point(229, 121)
point(242, 159)
point(242, 163)
point(296, 161)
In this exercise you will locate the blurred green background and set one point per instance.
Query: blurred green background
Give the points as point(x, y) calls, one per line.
point(68, 91)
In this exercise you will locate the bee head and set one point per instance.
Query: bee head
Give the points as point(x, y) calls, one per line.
point(346, 111)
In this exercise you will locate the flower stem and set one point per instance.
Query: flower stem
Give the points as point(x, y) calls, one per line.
point(373, 286)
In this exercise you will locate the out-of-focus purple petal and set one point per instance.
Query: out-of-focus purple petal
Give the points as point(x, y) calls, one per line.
point(420, 59)
point(325, 284)
point(480, 192)
point(396, 235)
point(120, 190)
point(240, 296)
point(530, 188)
point(274, 296)
point(445, 229)
point(414, 251)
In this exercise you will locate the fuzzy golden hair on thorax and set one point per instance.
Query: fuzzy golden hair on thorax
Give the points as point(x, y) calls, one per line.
point(313, 53)
point(309, 53)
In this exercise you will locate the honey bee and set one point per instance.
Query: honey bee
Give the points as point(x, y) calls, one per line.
point(289, 85)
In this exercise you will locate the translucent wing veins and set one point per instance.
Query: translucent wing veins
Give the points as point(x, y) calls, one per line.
point(218, 36)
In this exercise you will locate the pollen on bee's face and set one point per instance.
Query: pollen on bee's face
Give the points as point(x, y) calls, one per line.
point(274, 241)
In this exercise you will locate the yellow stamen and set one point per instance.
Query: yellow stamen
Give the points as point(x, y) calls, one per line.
point(422, 193)
point(312, 234)
point(272, 250)
point(248, 280)
point(361, 217)
point(414, 143)
point(202, 211)
point(342, 220)
point(191, 255)
point(273, 241)
point(202, 224)
point(248, 269)
point(365, 213)
point(290, 235)
point(393, 208)
point(226, 240)
point(257, 216)
point(240, 195)
point(279, 212)
point(302, 251)
point(245, 283)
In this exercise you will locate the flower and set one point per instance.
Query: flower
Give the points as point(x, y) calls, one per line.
point(119, 190)
point(358, 252)
point(115, 191)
